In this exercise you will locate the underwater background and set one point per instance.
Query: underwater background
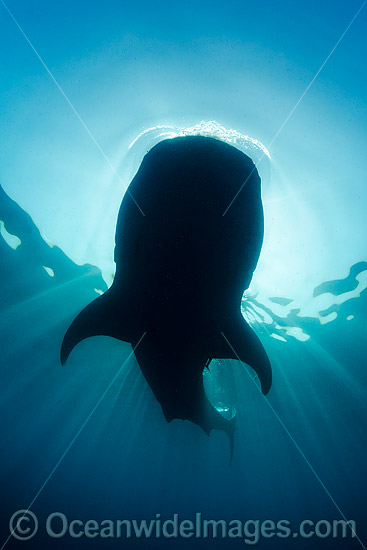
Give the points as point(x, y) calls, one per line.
point(86, 89)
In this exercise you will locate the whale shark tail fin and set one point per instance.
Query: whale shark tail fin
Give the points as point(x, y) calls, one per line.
point(97, 319)
point(239, 341)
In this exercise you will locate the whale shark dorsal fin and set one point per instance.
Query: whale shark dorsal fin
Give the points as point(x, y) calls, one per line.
point(99, 318)
point(239, 341)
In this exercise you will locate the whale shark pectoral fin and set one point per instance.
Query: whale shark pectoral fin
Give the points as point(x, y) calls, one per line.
point(239, 341)
point(97, 319)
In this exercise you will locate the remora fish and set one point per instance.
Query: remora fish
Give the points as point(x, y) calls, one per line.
point(181, 270)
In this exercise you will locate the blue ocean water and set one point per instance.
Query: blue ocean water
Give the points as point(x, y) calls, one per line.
point(89, 439)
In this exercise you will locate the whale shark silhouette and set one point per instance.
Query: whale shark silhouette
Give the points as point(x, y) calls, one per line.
point(181, 270)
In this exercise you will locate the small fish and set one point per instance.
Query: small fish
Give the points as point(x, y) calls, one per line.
point(181, 270)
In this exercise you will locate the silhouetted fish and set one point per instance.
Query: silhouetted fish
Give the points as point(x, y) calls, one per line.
point(181, 271)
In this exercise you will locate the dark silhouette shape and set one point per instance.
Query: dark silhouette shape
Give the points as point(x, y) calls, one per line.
point(346, 310)
point(181, 271)
point(23, 273)
point(341, 286)
point(281, 301)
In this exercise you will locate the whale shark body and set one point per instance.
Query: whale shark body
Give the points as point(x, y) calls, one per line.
point(181, 270)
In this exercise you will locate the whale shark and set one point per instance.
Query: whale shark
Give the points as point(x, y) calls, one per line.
point(181, 271)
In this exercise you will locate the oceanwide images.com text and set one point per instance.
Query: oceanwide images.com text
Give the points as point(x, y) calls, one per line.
point(24, 525)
